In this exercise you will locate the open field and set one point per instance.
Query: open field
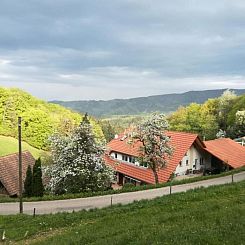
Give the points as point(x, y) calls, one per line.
point(215, 215)
point(9, 145)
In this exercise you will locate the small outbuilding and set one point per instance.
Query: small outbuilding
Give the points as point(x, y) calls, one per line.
point(9, 172)
point(226, 152)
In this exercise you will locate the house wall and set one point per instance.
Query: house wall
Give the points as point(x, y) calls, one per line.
point(193, 157)
point(119, 157)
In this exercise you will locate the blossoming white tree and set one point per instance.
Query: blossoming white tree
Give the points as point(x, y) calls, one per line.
point(78, 163)
point(156, 149)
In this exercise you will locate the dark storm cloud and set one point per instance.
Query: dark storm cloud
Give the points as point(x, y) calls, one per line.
point(111, 49)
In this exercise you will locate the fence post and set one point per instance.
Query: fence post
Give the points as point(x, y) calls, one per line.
point(232, 178)
point(170, 188)
point(34, 212)
point(111, 201)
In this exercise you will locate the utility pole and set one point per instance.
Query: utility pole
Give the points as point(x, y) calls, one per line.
point(20, 166)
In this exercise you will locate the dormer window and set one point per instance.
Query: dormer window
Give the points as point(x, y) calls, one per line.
point(180, 163)
point(144, 164)
point(115, 155)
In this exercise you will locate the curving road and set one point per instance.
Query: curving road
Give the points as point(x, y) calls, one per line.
point(69, 205)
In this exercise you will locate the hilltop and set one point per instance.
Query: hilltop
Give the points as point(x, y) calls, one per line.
point(40, 119)
point(163, 103)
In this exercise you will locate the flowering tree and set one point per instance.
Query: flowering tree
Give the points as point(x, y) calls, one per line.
point(78, 163)
point(156, 149)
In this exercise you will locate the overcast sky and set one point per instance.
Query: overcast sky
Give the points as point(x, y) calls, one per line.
point(77, 50)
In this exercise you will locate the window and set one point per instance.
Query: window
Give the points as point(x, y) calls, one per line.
point(130, 159)
point(180, 163)
point(187, 162)
point(126, 158)
point(196, 161)
point(133, 160)
point(143, 164)
point(201, 161)
point(115, 155)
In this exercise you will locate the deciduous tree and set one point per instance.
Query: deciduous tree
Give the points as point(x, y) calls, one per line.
point(156, 149)
point(78, 162)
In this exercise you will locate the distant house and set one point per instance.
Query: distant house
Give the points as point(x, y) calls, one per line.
point(191, 155)
point(9, 172)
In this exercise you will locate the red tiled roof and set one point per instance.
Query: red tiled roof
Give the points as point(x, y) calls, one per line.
point(227, 151)
point(180, 141)
point(9, 170)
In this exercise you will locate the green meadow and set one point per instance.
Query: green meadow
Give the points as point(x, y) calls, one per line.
point(9, 145)
point(215, 215)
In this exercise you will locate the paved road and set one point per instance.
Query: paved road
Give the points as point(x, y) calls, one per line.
point(46, 207)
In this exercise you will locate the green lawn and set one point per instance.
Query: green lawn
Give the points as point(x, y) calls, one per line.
point(215, 215)
point(9, 145)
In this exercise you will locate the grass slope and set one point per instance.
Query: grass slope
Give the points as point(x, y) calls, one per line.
point(9, 145)
point(215, 215)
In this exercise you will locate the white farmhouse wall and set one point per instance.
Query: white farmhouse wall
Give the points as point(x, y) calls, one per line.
point(119, 157)
point(193, 157)
point(191, 161)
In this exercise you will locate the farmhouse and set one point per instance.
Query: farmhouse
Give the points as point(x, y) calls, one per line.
point(191, 155)
point(9, 172)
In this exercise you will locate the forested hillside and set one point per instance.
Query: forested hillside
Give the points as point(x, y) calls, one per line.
point(224, 115)
point(162, 103)
point(40, 119)
point(220, 117)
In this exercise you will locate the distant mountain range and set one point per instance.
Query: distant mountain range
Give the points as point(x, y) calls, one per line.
point(162, 103)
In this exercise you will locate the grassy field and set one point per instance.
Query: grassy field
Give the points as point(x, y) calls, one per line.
point(9, 145)
point(215, 215)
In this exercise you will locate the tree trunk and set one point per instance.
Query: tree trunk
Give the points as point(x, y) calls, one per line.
point(156, 176)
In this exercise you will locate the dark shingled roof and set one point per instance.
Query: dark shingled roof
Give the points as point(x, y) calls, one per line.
point(9, 170)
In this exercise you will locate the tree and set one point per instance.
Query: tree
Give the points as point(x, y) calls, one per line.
point(28, 182)
point(156, 149)
point(85, 118)
point(196, 118)
point(108, 130)
point(37, 183)
point(78, 162)
point(226, 101)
